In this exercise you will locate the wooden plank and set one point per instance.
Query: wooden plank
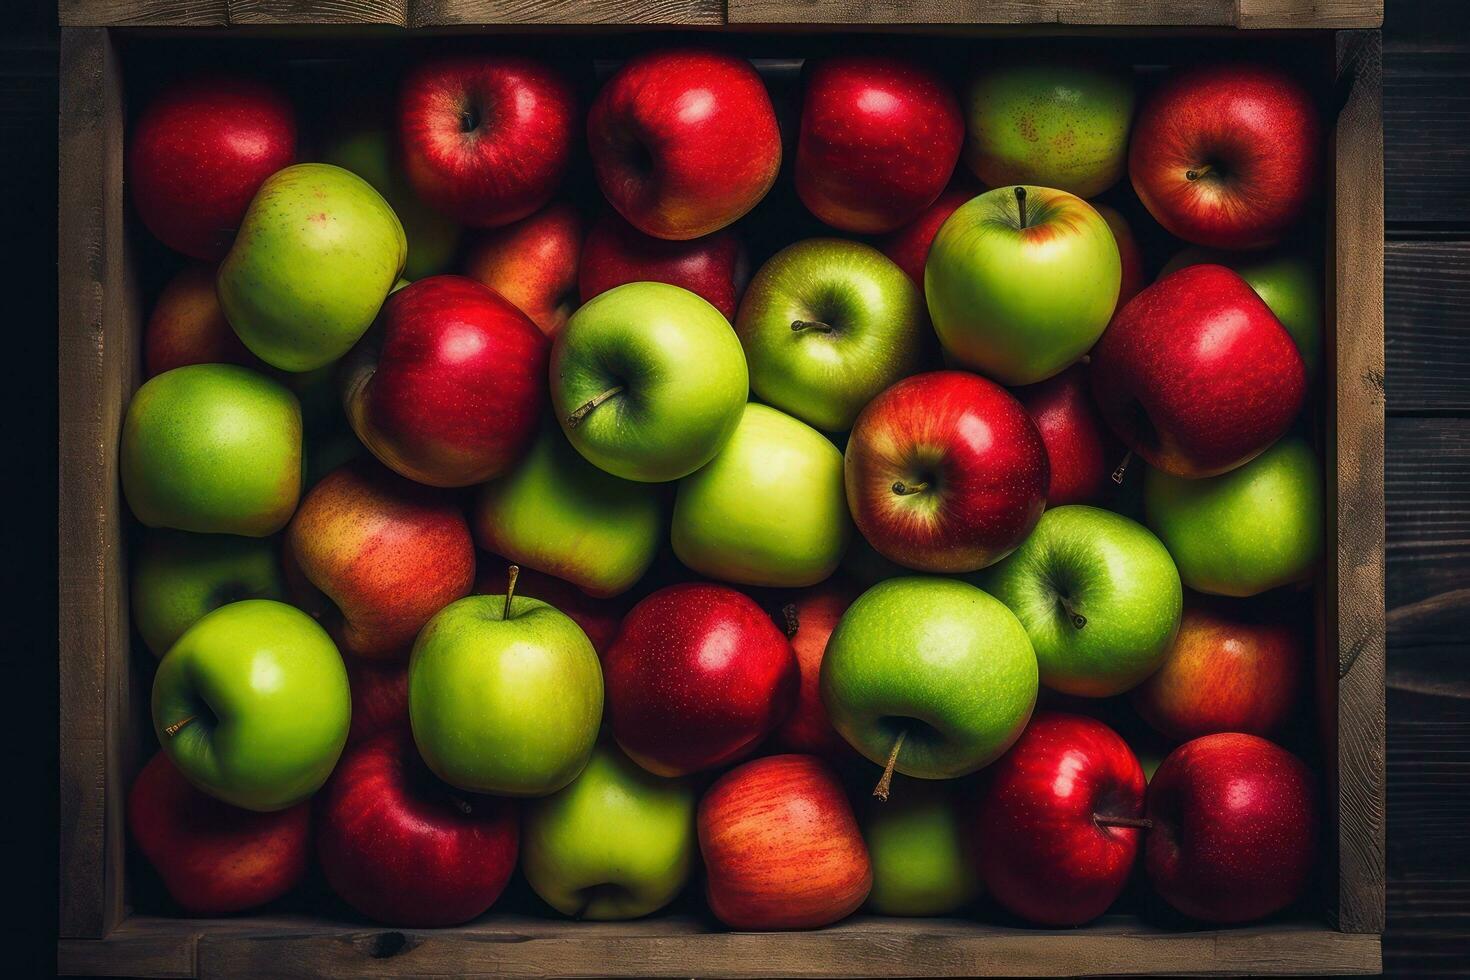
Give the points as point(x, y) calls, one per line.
point(1426, 105)
point(143, 13)
point(1199, 13)
point(393, 13)
point(1308, 13)
point(445, 13)
point(1427, 285)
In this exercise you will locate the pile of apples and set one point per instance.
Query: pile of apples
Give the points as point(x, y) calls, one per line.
point(582, 553)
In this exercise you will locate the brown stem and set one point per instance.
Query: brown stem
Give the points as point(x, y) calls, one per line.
point(1197, 174)
point(461, 804)
point(793, 622)
point(178, 726)
point(905, 489)
point(1118, 473)
point(1085, 359)
point(1142, 823)
point(1078, 620)
point(585, 409)
point(511, 575)
point(881, 790)
point(799, 325)
point(1021, 204)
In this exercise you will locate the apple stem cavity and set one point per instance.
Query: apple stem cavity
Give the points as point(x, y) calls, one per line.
point(1078, 620)
point(797, 326)
point(907, 489)
point(1122, 467)
point(511, 574)
point(1141, 823)
point(575, 419)
point(886, 780)
point(178, 726)
point(1197, 174)
point(793, 622)
point(1021, 204)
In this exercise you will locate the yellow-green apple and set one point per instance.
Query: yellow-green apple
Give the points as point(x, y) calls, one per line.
point(1060, 821)
point(448, 390)
point(1196, 375)
point(252, 704)
point(768, 510)
point(213, 448)
point(616, 843)
point(1234, 828)
point(781, 846)
point(379, 696)
point(648, 381)
point(1227, 154)
point(404, 849)
point(558, 513)
point(1099, 597)
point(1056, 122)
point(1236, 666)
point(379, 556)
point(713, 266)
point(504, 695)
point(1255, 528)
point(810, 617)
point(1021, 281)
point(214, 858)
point(683, 141)
point(178, 577)
point(486, 138)
point(188, 327)
point(908, 246)
point(599, 618)
point(697, 677)
point(945, 472)
point(920, 850)
point(1130, 256)
point(827, 324)
point(880, 137)
point(533, 263)
point(929, 676)
point(313, 261)
point(1079, 447)
point(197, 155)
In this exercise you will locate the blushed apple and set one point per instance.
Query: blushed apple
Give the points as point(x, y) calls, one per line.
point(533, 263)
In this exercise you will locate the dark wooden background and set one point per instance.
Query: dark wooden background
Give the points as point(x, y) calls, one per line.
point(1427, 159)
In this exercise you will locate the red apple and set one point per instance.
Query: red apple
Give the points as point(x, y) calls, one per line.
point(187, 326)
point(880, 137)
point(697, 677)
point(403, 848)
point(1196, 375)
point(599, 618)
point(384, 554)
point(811, 617)
point(713, 266)
point(1235, 667)
point(533, 263)
point(1076, 439)
point(199, 152)
point(1129, 254)
point(908, 247)
point(1234, 828)
point(486, 138)
point(1057, 827)
point(449, 389)
point(781, 846)
point(215, 858)
point(379, 696)
point(945, 472)
point(684, 141)
point(1227, 155)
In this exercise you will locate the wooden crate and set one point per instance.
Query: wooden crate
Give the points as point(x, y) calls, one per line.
point(104, 730)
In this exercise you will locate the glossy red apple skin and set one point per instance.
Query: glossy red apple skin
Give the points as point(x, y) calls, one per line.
point(1235, 667)
point(199, 152)
point(781, 846)
point(533, 263)
point(1043, 854)
point(1251, 136)
point(713, 266)
point(683, 141)
point(398, 845)
point(908, 246)
point(215, 858)
point(448, 389)
point(880, 137)
point(379, 696)
point(599, 618)
point(1077, 442)
point(187, 326)
point(697, 677)
point(814, 613)
point(486, 139)
point(973, 447)
point(1196, 375)
point(1129, 254)
point(1234, 832)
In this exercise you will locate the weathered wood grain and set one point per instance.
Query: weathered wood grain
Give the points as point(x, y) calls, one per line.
point(1308, 13)
point(1427, 333)
point(440, 13)
point(394, 13)
point(1426, 105)
point(1218, 13)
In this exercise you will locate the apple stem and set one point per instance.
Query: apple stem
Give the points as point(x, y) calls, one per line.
point(886, 781)
point(1118, 473)
point(575, 419)
point(1078, 620)
point(461, 804)
point(178, 726)
point(793, 622)
point(1021, 204)
point(1085, 359)
point(511, 575)
point(799, 325)
point(1142, 823)
point(905, 489)
point(1197, 174)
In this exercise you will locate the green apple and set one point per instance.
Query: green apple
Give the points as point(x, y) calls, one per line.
point(769, 510)
point(827, 324)
point(313, 261)
point(1287, 281)
point(1021, 282)
point(616, 843)
point(179, 577)
point(1243, 532)
point(648, 381)
point(930, 676)
point(559, 514)
point(1099, 597)
point(252, 704)
point(504, 695)
point(1056, 123)
point(432, 237)
point(921, 861)
point(212, 448)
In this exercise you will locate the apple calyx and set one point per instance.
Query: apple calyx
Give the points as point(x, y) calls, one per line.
point(793, 621)
point(178, 726)
point(1021, 204)
point(585, 409)
point(797, 326)
point(1140, 823)
point(1122, 467)
point(886, 780)
point(511, 575)
point(908, 489)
